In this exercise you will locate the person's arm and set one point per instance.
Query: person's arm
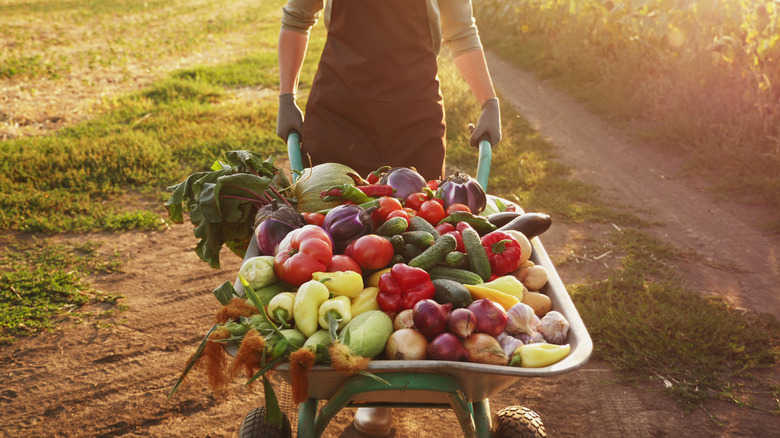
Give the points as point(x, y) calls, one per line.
point(474, 69)
point(292, 51)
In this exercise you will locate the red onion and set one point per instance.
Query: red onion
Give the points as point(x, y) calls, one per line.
point(462, 322)
point(447, 346)
point(491, 317)
point(430, 317)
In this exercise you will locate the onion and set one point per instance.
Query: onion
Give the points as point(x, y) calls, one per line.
point(406, 344)
point(520, 319)
point(447, 346)
point(430, 317)
point(462, 322)
point(491, 317)
point(484, 348)
point(403, 320)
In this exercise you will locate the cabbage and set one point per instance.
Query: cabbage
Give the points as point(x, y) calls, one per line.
point(259, 271)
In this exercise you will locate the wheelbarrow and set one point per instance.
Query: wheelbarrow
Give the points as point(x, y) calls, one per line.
point(461, 386)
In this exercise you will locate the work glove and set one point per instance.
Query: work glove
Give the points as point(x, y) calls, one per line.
point(489, 124)
point(290, 118)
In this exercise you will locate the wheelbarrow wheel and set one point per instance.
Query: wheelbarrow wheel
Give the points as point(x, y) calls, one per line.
point(254, 426)
point(518, 422)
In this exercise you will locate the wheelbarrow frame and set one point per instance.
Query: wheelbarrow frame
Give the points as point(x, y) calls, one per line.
point(462, 386)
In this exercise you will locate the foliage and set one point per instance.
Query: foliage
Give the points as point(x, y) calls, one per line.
point(703, 76)
point(41, 283)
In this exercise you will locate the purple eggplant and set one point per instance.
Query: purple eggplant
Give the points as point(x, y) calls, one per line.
point(270, 233)
point(461, 188)
point(346, 223)
point(404, 180)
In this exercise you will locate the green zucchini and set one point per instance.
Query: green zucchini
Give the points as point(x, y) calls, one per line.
point(435, 253)
point(421, 239)
point(392, 226)
point(416, 223)
point(452, 292)
point(460, 275)
point(475, 253)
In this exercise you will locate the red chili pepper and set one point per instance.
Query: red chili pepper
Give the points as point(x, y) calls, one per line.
point(503, 252)
point(377, 190)
point(403, 287)
point(374, 176)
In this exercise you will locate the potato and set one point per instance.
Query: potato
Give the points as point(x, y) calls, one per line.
point(538, 301)
point(534, 277)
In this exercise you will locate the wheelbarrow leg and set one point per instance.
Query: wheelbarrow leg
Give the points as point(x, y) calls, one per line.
point(482, 418)
point(307, 413)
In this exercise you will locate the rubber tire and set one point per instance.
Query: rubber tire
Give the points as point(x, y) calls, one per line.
point(254, 426)
point(518, 422)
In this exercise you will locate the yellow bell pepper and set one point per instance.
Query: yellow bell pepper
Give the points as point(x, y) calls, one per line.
point(308, 300)
point(538, 355)
point(341, 283)
point(339, 307)
point(281, 306)
point(373, 279)
point(508, 284)
point(365, 301)
point(479, 292)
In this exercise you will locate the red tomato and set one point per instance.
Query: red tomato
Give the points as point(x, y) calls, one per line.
point(433, 185)
point(445, 228)
point(415, 200)
point(410, 212)
point(314, 218)
point(303, 252)
point(457, 207)
point(399, 213)
point(370, 251)
point(341, 262)
point(458, 239)
point(387, 204)
point(431, 211)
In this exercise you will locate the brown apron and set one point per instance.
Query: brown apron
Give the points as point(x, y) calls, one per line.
point(375, 99)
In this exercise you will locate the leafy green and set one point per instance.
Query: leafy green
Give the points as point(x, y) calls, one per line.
point(222, 203)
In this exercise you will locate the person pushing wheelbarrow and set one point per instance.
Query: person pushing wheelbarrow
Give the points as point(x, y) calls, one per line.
point(375, 99)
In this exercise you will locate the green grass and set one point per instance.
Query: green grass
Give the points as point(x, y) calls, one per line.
point(42, 283)
point(644, 321)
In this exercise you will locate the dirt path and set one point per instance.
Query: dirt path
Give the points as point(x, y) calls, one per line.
point(86, 382)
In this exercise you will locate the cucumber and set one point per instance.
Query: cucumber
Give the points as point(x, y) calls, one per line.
point(450, 291)
point(475, 253)
point(421, 239)
point(416, 223)
point(455, 259)
point(392, 226)
point(435, 253)
point(410, 251)
point(460, 275)
point(397, 241)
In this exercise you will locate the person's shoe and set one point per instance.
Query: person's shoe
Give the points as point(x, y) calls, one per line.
point(374, 422)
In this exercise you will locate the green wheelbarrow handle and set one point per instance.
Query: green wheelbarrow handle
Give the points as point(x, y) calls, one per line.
point(483, 165)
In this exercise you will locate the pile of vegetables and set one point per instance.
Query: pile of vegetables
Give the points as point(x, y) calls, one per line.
point(390, 267)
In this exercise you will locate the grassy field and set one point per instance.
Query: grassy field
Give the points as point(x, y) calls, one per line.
point(110, 170)
point(693, 77)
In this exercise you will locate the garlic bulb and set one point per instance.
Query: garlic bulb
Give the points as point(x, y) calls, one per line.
point(520, 319)
point(554, 327)
point(535, 338)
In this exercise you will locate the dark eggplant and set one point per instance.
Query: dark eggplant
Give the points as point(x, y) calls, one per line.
point(346, 223)
point(404, 180)
point(272, 223)
point(503, 217)
point(530, 224)
point(462, 189)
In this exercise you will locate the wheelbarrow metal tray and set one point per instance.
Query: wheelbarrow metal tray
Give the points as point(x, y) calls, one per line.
point(477, 381)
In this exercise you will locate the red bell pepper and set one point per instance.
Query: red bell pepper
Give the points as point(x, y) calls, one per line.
point(503, 252)
point(303, 252)
point(403, 287)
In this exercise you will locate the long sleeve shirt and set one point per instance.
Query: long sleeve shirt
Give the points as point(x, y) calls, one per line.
point(451, 21)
